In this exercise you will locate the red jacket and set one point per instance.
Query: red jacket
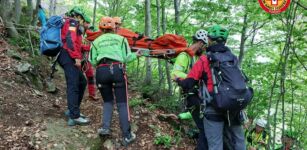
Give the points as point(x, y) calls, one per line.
point(72, 38)
point(85, 47)
point(196, 74)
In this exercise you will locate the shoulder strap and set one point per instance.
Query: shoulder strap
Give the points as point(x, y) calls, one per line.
point(191, 62)
point(123, 43)
point(264, 134)
point(204, 90)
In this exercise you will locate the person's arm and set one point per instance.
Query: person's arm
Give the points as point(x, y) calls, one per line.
point(193, 76)
point(93, 55)
point(265, 140)
point(85, 47)
point(73, 40)
point(129, 56)
point(180, 66)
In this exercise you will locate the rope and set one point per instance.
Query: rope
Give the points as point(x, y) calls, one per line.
point(33, 29)
point(23, 25)
point(26, 27)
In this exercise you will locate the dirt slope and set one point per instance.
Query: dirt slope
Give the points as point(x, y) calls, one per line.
point(34, 119)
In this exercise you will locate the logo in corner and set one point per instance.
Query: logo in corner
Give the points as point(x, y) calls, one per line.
point(274, 6)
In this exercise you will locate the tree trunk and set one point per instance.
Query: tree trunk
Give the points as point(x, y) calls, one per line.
point(17, 10)
point(163, 18)
point(94, 13)
point(5, 9)
point(167, 69)
point(148, 76)
point(35, 13)
point(52, 7)
point(160, 69)
point(243, 38)
point(177, 15)
point(114, 7)
point(29, 10)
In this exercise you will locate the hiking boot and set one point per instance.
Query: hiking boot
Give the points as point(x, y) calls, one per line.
point(93, 98)
point(129, 140)
point(66, 113)
point(78, 121)
point(185, 116)
point(104, 132)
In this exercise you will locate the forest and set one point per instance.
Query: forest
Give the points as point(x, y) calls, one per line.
point(271, 49)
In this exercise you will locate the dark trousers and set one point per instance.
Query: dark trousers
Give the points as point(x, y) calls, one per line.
point(193, 101)
point(75, 82)
point(112, 84)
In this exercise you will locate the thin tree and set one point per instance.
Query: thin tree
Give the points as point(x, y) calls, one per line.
point(243, 37)
point(148, 75)
point(94, 13)
point(17, 7)
point(5, 13)
point(29, 10)
point(177, 15)
point(167, 68)
point(52, 7)
point(35, 13)
point(160, 69)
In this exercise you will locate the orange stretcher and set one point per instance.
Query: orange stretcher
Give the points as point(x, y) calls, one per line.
point(165, 46)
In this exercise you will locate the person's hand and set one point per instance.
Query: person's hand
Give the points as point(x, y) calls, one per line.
point(261, 142)
point(252, 148)
point(177, 79)
point(78, 63)
point(138, 53)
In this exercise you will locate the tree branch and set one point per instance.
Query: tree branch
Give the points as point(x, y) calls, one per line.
point(301, 5)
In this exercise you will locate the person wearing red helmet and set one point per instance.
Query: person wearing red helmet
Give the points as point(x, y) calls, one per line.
point(88, 68)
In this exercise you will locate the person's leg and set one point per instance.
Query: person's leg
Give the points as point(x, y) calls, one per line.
point(214, 129)
point(104, 84)
point(72, 83)
point(195, 111)
point(90, 80)
point(236, 135)
point(121, 96)
point(82, 86)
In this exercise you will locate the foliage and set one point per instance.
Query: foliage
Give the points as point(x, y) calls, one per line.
point(279, 79)
point(165, 140)
point(134, 102)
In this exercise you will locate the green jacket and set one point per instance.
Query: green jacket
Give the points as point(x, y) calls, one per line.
point(111, 46)
point(182, 65)
point(253, 139)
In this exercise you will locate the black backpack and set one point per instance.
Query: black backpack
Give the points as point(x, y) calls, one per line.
point(231, 92)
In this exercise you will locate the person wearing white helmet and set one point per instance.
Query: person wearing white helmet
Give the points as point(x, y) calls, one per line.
point(257, 138)
point(184, 62)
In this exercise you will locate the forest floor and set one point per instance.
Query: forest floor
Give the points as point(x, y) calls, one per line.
point(34, 119)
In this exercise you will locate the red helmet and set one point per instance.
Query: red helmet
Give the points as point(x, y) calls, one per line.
point(106, 23)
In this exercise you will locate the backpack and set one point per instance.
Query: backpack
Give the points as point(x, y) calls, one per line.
point(50, 36)
point(231, 92)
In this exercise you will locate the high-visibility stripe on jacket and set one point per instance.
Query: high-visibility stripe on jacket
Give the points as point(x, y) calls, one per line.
point(181, 66)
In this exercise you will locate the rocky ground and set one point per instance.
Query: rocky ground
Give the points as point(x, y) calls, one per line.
point(31, 118)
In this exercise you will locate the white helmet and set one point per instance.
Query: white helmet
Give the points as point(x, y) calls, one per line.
point(261, 123)
point(201, 35)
